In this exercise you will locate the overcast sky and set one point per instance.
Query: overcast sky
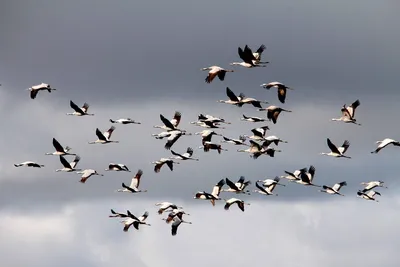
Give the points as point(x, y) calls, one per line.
point(141, 59)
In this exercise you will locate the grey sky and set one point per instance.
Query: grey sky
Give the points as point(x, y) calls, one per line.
point(139, 59)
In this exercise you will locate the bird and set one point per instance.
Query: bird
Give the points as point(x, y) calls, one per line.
point(170, 125)
point(240, 203)
point(214, 194)
point(334, 189)
point(249, 100)
point(104, 138)
point(232, 98)
point(237, 188)
point(125, 121)
point(207, 146)
point(40, 87)
point(242, 184)
point(174, 136)
point(372, 185)
point(240, 141)
point(29, 164)
point(60, 150)
point(133, 220)
point(348, 113)
point(273, 112)
point(257, 55)
point(272, 139)
point(252, 119)
point(134, 186)
point(79, 111)
point(306, 177)
point(161, 162)
point(69, 166)
point(185, 156)
point(292, 176)
point(249, 60)
point(254, 148)
point(206, 135)
point(175, 224)
point(368, 196)
point(337, 152)
point(86, 174)
point(211, 118)
point(384, 143)
point(163, 206)
point(117, 167)
point(265, 190)
point(268, 182)
point(174, 213)
point(117, 214)
point(258, 133)
point(215, 71)
point(281, 89)
point(207, 124)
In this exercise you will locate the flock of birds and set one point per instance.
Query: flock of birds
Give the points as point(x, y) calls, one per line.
point(259, 144)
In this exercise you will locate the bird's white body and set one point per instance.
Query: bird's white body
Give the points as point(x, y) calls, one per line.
point(87, 173)
point(125, 121)
point(384, 143)
point(69, 166)
point(104, 138)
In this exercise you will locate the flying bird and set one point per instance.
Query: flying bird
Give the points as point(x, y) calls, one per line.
point(240, 203)
point(134, 186)
point(337, 152)
point(207, 124)
point(117, 214)
point(170, 125)
point(86, 174)
point(174, 136)
point(306, 177)
point(40, 87)
point(237, 187)
point(292, 176)
point(368, 196)
point(206, 135)
point(207, 146)
point(257, 55)
point(60, 150)
point(125, 121)
point(273, 112)
point(384, 143)
point(232, 98)
point(372, 185)
point(69, 166)
point(214, 194)
point(161, 162)
point(348, 113)
point(185, 156)
point(249, 60)
point(79, 111)
point(29, 164)
point(164, 206)
point(240, 141)
point(175, 213)
point(268, 191)
point(258, 133)
point(175, 224)
point(334, 189)
point(268, 182)
point(215, 71)
point(133, 220)
point(252, 119)
point(281, 89)
point(117, 167)
point(104, 138)
point(212, 119)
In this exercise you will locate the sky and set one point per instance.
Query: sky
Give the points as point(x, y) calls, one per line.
point(141, 59)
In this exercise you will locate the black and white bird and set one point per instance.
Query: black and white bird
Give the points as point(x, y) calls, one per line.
point(337, 152)
point(159, 163)
point(272, 139)
point(185, 156)
point(268, 191)
point(115, 214)
point(29, 164)
point(175, 224)
point(104, 138)
point(292, 176)
point(40, 87)
point(256, 150)
point(174, 136)
point(125, 121)
point(134, 186)
point(372, 185)
point(207, 124)
point(384, 143)
point(237, 187)
point(240, 141)
point(206, 135)
point(370, 195)
point(211, 118)
point(133, 220)
point(170, 125)
point(273, 112)
point(242, 184)
point(258, 133)
point(79, 111)
point(215, 71)
point(240, 203)
point(268, 182)
point(306, 177)
point(252, 119)
point(334, 189)
point(233, 99)
point(69, 166)
point(258, 53)
point(249, 100)
point(214, 194)
point(348, 113)
point(207, 146)
point(281, 89)
point(175, 213)
point(60, 150)
point(87, 173)
point(164, 206)
point(249, 60)
point(117, 167)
